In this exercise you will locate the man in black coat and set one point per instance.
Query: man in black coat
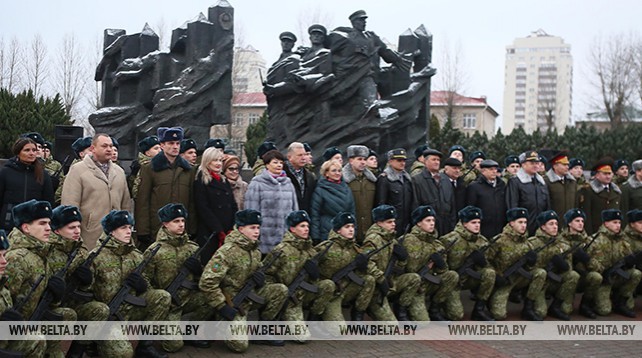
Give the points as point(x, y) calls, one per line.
point(452, 169)
point(528, 190)
point(488, 193)
point(394, 188)
point(303, 180)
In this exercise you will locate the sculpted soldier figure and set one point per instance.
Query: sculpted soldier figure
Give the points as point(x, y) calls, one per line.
point(29, 257)
point(426, 257)
point(403, 287)
point(344, 253)
point(231, 268)
point(176, 253)
point(467, 243)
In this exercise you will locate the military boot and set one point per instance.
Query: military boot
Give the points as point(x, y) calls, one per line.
point(619, 306)
point(402, 313)
point(356, 315)
point(76, 350)
point(516, 296)
point(145, 349)
point(555, 310)
point(480, 312)
point(435, 312)
point(528, 312)
point(586, 310)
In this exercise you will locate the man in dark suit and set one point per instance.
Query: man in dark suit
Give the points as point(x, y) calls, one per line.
point(303, 180)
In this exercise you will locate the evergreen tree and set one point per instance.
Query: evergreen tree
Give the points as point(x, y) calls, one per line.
point(433, 130)
point(255, 135)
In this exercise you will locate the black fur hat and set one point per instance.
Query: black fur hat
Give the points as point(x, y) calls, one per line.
point(296, 217)
point(516, 213)
point(116, 219)
point(546, 216)
point(342, 219)
point(574, 213)
point(611, 214)
point(171, 211)
point(470, 213)
point(63, 215)
point(247, 217)
point(29, 211)
point(422, 212)
point(383, 213)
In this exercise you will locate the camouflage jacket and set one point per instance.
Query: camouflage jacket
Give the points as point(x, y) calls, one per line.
point(634, 238)
point(342, 252)
point(572, 240)
point(416, 168)
point(230, 268)
point(509, 247)
point(295, 251)
point(5, 303)
point(142, 160)
point(607, 249)
point(558, 247)
point(61, 249)
point(28, 259)
point(466, 243)
point(164, 266)
point(471, 176)
point(377, 237)
point(52, 165)
point(420, 245)
point(110, 269)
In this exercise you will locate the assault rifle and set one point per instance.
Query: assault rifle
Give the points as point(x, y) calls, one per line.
point(518, 266)
point(123, 294)
point(18, 306)
point(42, 311)
point(181, 278)
point(247, 291)
point(617, 268)
point(424, 272)
point(72, 288)
point(467, 267)
point(348, 270)
point(550, 267)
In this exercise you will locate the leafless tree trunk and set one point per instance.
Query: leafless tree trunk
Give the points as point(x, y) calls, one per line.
point(452, 76)
point(164, 34)
point(13, 60)
point(613, 64)
point(35, 64)
point(70, 76)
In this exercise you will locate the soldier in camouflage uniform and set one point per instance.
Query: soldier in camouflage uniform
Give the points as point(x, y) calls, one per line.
point(32, 348)
point(177, 251)
point(475, 159)
point(65, 223)
point(510, 246)
point(296, 254)
point(558, 259)
point(424, 250)
point(111, 269)
point(344, 251)
point(467, 239)
point(231, 267)
point(405, 287)
point(574, 234)
point(51, 165)
point(512, 166)
point(633, 231)
point(30, 258)
point(418, 165)
point(576, 168)
point(621, 172)
point(148, 147)
point(609, 248)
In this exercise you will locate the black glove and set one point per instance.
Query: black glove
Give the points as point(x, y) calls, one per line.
point(559, 263)
point(400, 252)
point(83, 275)
point(227, 312)
point(630, 260)
point(500, 281)
point(581, 256)
point(193, 265)
point(56, 286)
point(11, 315)
point(606, 276)
point(312, 269)
point(384, 287)
point(531, 257)
point(438, 261)
point(478, 258)
point(137, 282)
point(259, 278)
point(362, 262)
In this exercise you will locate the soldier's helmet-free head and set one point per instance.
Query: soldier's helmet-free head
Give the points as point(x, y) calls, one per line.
point(63, 215)
point(633, 216)
point(611, 214)
point(172, 211)
point(296, 217)
point(342, 219)
point(116, 219)
point(572, 214)
point(173, 134)
point(329, 153)
point(216, 143)
point(545, 217)
point(357, 151)
point(247, 217)
point(187, 144)
point(383, 213)
point(81, 144)
point(29, 211)
point(470, 213)
point(421, 213)
point(419, 151)
point(516, 213)
point(35, 136)
point(147, 143)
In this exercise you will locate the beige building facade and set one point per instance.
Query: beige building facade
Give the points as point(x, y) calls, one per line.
point(469, 114)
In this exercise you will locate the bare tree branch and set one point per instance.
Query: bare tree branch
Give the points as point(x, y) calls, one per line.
point(35, 64)
point(71, 76)
point(14, 73)
point(452, 76)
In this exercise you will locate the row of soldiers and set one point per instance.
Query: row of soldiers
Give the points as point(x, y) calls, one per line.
point(417, 276)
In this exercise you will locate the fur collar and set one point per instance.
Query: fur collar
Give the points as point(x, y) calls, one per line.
point(553, 177)
point(394, 176)
point(525, 178)
point(349, 176)
point(634, 183)
point(160, 162)
point(599, 187)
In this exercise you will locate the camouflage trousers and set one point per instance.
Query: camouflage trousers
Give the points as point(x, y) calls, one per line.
point(53, 346)
point(157, 308)
point(352, 294)
point(92, 311)
point(30, 349)
point(315, 302)
point(404, 291)
point(193, 307)
point(535, 287)
point(600, 295)
point(447, 291)
point(564, 290)
point(275, 295)
point(483, 287)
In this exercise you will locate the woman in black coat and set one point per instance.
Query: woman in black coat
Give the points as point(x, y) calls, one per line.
point(331, 197)
point(23, 178)
point(215, 204)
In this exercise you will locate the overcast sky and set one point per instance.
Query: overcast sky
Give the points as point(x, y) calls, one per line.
point(482, 28)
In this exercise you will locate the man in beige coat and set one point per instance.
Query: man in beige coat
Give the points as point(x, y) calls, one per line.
point(96, 186)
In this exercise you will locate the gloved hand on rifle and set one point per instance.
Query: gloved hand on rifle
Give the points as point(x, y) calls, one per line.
point(478, 258)
point(137, 282)
point(438, 261)
point(83, 275)
point(193, 265)
point(312, 269)
point(11, 315)
point(531, 258)
point(259, 278)
point(559, 263)
point(227, 312)
point(56, 286)
point(400, 252)
point(362, 262)
point(581, 256)
point(500, 281)
point(384, 287)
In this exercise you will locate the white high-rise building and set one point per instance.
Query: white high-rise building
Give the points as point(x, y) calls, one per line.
point(538, 83)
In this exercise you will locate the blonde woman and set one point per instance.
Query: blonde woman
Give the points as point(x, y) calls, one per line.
point(331, 197)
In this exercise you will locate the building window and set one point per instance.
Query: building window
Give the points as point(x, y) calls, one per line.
point(238, 119)
point(254, 117)
point(470, 121)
